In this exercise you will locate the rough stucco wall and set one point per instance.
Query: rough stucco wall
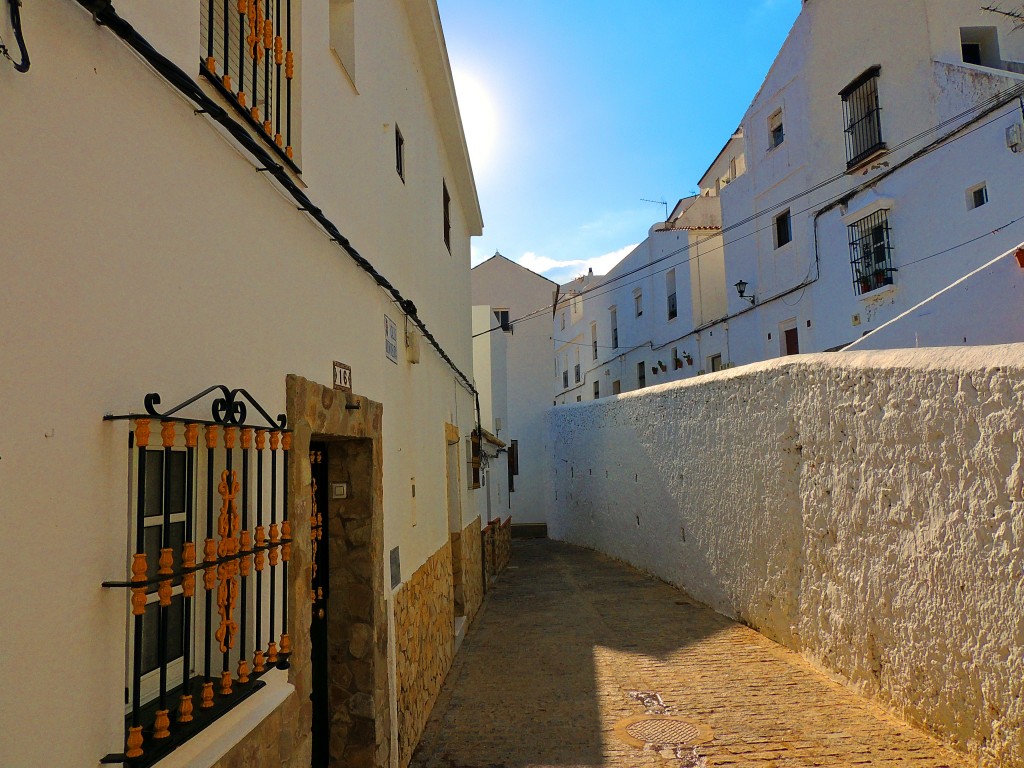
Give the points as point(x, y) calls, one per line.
point(472, 565)
point(863, 508)
point(424, 639)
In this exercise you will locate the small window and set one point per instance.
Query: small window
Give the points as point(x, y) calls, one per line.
point(614, 316)
point(977, 196)
point(783, 229)
point(980, 46)
point(641, 375)
point(871, 252)
point(502, 316)
point(616, 387)
point(579, 398)
point(862, 117)
point(399, 153)
point(638, 303)
point(597, 389)
point(343, 35)
point(593, 340)
point(715, 363)
point(563, 321)
point(776, 130)
point(474, 459)
point(447, 204)
point(670, 290)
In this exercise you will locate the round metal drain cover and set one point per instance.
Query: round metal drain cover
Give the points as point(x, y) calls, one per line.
point(662, 730)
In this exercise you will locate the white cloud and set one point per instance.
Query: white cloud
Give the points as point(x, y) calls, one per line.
point(563, 271)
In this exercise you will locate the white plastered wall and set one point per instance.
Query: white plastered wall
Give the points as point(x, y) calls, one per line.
point(143, 253)
point(503, 284)
point(865, 509)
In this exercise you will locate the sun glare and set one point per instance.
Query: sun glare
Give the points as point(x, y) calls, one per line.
point(479, 119)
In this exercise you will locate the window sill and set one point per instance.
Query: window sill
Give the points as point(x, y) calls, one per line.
point(212, 743)
point(877, 292)
point(861, 162)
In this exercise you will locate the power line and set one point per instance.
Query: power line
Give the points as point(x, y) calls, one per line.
point(104, 14)
point(990, 104)
point(907, 264)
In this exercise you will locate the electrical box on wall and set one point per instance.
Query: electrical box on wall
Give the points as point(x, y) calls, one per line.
point(1015, 137)
point(339, 490)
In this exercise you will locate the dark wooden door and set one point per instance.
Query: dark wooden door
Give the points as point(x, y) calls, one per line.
point(792, 341)
point(319, 594)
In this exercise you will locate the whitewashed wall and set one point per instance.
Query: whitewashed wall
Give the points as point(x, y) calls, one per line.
point(962, 313)
point(142, 252)
point(502, 283)
point(863, 508)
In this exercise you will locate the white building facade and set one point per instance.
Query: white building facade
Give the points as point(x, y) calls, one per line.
point(276, 199)
point(865, 177)
point(520, 303)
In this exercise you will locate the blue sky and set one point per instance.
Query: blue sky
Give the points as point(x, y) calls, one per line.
point(575, 111)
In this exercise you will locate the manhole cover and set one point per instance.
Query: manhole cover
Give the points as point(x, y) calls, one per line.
point(662, 730)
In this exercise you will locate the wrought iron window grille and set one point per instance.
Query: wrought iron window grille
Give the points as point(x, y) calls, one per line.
point(871, 253)
point(227, 630)
point(862, 118)
point(248, 57)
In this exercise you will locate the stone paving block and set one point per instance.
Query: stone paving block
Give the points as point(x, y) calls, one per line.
point(571, 640)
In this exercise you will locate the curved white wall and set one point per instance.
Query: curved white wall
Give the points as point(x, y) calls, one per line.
point(863, 508)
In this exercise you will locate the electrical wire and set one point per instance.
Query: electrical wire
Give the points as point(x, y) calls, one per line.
point(104, 14)
point(19, 37)
point(594, 293)
point(678, 339)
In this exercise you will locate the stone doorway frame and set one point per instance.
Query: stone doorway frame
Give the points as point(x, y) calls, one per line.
point(358, 620)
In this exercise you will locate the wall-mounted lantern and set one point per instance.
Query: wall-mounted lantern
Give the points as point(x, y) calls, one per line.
point(741, 289)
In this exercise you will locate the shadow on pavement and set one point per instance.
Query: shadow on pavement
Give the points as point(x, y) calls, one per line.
point(524, 689)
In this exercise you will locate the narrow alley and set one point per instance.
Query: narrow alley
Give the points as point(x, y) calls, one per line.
point(578, 660)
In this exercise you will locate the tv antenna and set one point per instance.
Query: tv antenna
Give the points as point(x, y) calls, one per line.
point(657, 202)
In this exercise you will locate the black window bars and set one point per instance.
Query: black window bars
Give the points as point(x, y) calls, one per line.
point(236, 627)
point(248, 57)
point(862, 117)
point(871, 253)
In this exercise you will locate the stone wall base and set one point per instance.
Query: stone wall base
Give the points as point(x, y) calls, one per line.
point(424, 645)
point(472, 569)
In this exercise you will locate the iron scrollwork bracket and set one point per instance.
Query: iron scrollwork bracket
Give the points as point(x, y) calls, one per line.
point(228, 410)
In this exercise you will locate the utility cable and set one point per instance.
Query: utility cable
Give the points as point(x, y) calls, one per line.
point(19, 37)
point(104, 14)
point(593, 293)
point(943, 252)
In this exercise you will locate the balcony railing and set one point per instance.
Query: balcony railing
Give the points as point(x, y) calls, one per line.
point(197, 650)
point(247, 55)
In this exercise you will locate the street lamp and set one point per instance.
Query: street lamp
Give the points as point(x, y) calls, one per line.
point(741, 289)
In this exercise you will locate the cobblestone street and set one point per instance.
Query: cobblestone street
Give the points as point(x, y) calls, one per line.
point(572, 643)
